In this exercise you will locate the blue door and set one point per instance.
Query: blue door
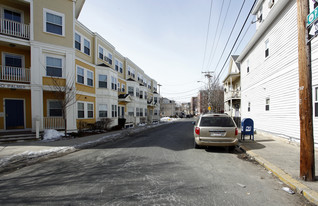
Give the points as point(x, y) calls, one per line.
point(14, 114)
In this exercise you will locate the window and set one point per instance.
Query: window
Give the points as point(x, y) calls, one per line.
point(129, 71)
point(116, 64)
point(53, 67)
point(100, 52)
point(146, 95)
point(54, 22)
point(90, 110)
point(11, 15)
point(110, 58)
point(123, 88)
point(114, 83)
point(131, 91)
point(248, 66)
point(316, 102)
point(118, 86)
point(137, 92)
point(267, 104)
point(13, 60)
point(87, 47)
point(131, 111)
point(102, 108)
point(55, 108)
point(80, 110)
point(77, 41)
point(267, 48)
point(120, 67)
point(141, 94)
point(137, 112)
point(141, 112)
point(122, 112)
point(114, 110)
point(102, 81)
point(146, 112)
point(217, 122)
point(155, 100)
point(80, 75)
point(89, 78)
point(155, 112)
point(249, 106)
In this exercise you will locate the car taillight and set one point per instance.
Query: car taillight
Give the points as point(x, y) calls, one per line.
point(197, 130)
point(236, 131)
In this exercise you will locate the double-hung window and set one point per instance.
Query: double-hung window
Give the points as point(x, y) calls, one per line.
point(90, 81)
point(100, 52)
point(267, 102)
point(53, 67)
point(54, 22)
point(114, 110)
point(114, 83)
point(267, 48)
point(80, 110)
point(90, 110)
point(141, 94)
point(102, 108)
point(102, 81)
point(110, 58)
point(77, 41)
point(146, 112)
point(129, 71)
point(131, 91)
point(55, 108)
point(137, 92)
point(131, 111)
point(120, 67)
point(116, 64)
point(123, 88)
point(80, 75)
point(137, 112)
point(87, 47)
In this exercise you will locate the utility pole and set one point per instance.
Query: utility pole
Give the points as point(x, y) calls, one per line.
point(159, 85)
point(208, 74)
point(307, 155)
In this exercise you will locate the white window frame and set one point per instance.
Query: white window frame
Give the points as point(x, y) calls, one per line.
point(267, 103)
point(123, 87)
point(77, 67)
point(80, 42)
point(45, 11)
point(106, 53)
point(121, 67)
point(106, 81)
point(88, 48)
point(114, 111)
point(81, 110)
point(85, 76)
point(48, 107)
point(114, 83)
point(89, 103)
point(99, 110)
point(267, 48)
point(116, 64)
point(56, 57)
point(4, 54)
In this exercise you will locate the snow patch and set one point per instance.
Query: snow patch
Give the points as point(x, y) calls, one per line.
point(51, 135)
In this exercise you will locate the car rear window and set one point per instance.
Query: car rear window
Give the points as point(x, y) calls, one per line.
point(217, 122)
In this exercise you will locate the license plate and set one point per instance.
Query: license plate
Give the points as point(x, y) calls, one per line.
point(216, 134)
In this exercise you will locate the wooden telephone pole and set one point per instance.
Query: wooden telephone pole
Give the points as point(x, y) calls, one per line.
point(307, 155)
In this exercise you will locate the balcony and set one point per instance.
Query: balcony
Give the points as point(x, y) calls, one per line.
point(15, 29)
point(232, 95)
point(14, 74)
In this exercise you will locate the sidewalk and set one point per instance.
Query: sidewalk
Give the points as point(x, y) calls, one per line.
point(282, 159)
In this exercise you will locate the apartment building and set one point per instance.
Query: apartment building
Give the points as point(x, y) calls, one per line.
point(269, 71)
point(50, 61)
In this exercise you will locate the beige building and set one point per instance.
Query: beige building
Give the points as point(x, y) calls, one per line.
point(46, 51)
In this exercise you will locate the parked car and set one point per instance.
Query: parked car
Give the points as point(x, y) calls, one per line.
point(215, 130)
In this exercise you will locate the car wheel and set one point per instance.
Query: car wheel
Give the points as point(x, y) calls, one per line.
point(196, 146)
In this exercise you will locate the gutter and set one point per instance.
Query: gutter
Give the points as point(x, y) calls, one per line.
point(272, 16)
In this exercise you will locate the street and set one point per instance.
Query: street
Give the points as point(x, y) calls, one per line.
point(156, 167)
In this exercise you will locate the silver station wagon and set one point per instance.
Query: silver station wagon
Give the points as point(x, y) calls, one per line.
point(215, 130)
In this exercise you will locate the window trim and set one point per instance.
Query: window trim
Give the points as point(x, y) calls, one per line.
point(85, 109)
point(4, 54)
point(267, 48)
point(102, 81)
point(48, 107)
point(90, 103)
point(267, 104)
point(87, 78)
point(80, 110)
point(45, 11)
point(77, 68)
point(102, 110)
point(89, 49)
point(62, 67)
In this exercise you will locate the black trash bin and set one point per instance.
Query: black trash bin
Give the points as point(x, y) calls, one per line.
point(247, 128)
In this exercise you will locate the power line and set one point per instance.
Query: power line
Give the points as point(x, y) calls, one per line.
point(217, 42)
point(243, 37)
point(182, 92)
point(207, 34)
point(230, 34)
point(236, 40)
point(216, 31)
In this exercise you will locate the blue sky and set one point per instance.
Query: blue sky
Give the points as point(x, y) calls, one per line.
point(167, 38)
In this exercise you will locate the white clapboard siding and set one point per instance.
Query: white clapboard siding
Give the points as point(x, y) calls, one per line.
point(275, 77)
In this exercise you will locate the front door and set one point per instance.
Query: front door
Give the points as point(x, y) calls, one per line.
point(14, 110)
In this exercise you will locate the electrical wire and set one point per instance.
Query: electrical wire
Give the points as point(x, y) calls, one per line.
point(236, 40)
point(207, 34)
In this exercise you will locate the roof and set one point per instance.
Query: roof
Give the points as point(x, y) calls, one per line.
point(103, 65)
point(123, 96)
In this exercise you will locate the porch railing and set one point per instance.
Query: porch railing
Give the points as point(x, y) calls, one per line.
point(53, 123)
point(13, 28)
point(14, 74)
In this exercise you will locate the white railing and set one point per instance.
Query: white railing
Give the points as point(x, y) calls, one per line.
point(53, 123)
point(232, 95)
point(14, 28)
point(14, 74)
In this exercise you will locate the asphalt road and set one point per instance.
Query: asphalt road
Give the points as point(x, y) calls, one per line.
point(157, 167)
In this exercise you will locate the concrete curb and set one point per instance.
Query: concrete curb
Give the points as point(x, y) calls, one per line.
point(26, 158)
point(294, 184)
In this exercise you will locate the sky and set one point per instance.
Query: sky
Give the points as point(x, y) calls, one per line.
point(172, 40)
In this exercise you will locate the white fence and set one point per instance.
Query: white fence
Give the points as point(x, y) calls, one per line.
point(15, 74)
point(14, 28)
point(53, 123)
